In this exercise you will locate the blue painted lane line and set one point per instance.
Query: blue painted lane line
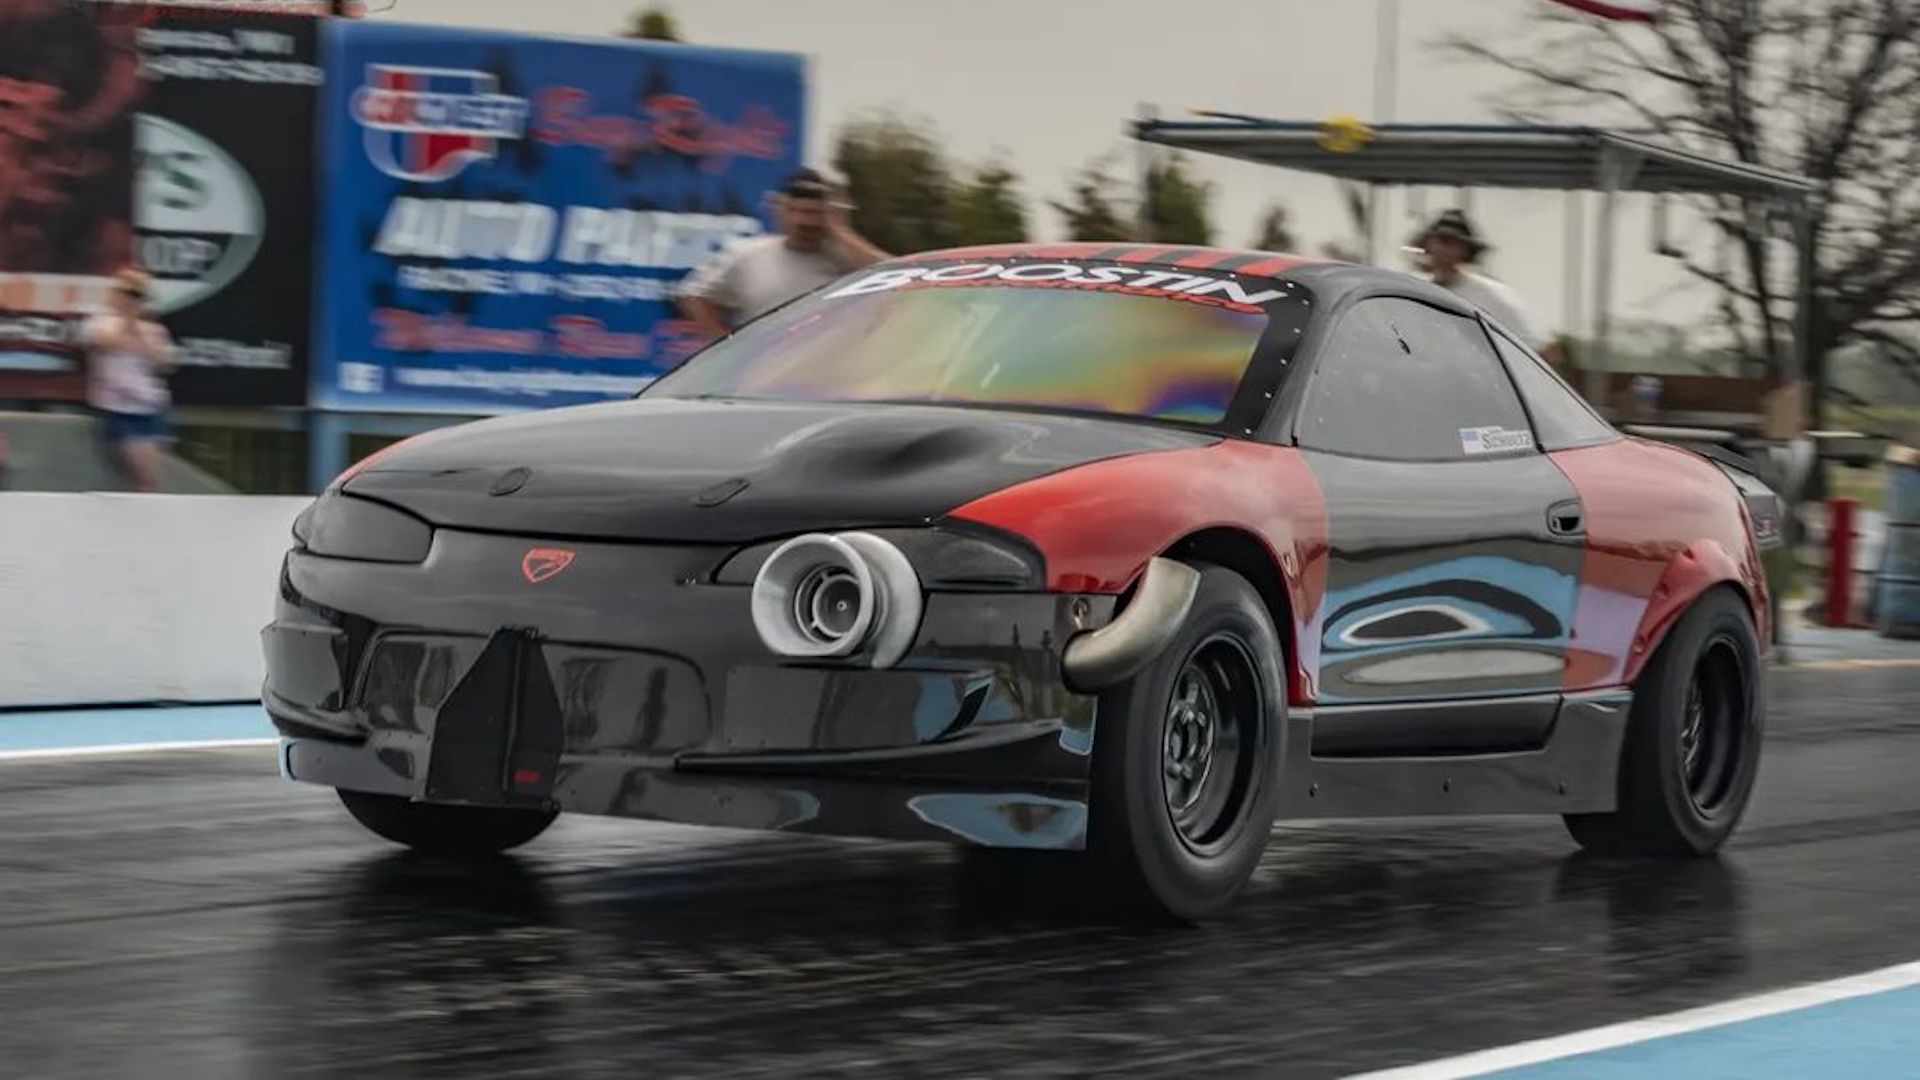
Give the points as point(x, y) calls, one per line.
point(46, 733)
point(1876, 1036)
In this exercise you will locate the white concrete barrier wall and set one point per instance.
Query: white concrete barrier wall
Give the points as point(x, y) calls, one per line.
point(126, 598)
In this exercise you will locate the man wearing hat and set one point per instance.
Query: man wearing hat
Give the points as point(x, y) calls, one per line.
point(1451, 246)
point(815, 245)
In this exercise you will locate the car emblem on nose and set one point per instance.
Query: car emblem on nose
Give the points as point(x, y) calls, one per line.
point(539, 564)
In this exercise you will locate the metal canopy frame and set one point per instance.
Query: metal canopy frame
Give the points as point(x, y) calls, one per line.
point(1508, 156)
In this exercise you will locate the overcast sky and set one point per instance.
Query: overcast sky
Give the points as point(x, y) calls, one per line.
point(1050, 83)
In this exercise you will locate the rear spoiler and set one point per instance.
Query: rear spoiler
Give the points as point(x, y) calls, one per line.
point(1765, 506)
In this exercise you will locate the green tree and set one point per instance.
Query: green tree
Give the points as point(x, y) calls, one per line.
point(1276, 231)
point(899, 180)
point(1093, 210)
point(652, 23)
point(1177, 204)
point(987, 208)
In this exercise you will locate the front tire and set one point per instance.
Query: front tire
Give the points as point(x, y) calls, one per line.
point(443, 829)
point(1184, 758)
point(1693, 740)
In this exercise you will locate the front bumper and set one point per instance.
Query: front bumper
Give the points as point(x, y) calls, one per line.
point(632, 685)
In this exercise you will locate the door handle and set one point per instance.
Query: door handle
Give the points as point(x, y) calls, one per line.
point(1565, 519)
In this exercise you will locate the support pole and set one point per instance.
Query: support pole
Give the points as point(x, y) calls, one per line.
point(1800, 359)
point(1144, 159)
point(1386, 83)
point(326, 449)
point(1599, 362)
point(1573, 295)
point(1617, 169)
point(1373, 224)
point(1386, 60)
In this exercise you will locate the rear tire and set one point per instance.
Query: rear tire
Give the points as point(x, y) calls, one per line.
point(1693, 739)
point(1184, 758)
point(442, 829)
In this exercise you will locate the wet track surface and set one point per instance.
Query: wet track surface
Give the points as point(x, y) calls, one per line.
point(192, 915)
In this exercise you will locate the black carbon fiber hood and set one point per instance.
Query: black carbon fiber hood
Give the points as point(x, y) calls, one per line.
point(729, 471)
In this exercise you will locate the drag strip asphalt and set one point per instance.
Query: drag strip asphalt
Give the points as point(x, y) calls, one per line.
point(190, 914)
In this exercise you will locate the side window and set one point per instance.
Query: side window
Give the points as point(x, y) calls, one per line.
point(1561, 417)
point(1401, 380)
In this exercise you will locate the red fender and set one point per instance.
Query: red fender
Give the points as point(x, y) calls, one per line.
point(1663, 526)
point(1701, 566)
point(1098, 524)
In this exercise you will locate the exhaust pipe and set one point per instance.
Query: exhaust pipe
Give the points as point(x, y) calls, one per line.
point(1100, 658)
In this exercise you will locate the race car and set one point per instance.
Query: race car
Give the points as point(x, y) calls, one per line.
point(1122, 551)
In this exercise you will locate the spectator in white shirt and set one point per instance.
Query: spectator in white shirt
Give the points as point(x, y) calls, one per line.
point(815, 245)
point(1451, 246)
point(129, 356)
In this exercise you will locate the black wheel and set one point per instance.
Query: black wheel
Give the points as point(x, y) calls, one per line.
point(1184, 754)
point(1693, 741)
point(442, 829)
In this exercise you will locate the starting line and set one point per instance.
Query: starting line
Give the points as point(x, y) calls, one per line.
point(96, 732)
point(1865, 1025)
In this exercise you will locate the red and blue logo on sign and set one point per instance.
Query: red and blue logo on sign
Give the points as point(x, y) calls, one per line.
point(428, 124)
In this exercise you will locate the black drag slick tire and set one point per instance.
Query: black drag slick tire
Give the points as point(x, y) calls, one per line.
point(1184, 759)
point(1693, 739)
point(441, 829)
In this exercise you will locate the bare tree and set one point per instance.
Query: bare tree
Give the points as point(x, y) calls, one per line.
point(1829, 89)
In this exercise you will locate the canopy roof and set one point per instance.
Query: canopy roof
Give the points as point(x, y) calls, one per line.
point(1471, 155)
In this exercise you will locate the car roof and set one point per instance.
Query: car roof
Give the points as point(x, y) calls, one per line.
point(1180, 256)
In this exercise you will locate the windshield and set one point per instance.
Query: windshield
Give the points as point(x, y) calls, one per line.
point(977, 340)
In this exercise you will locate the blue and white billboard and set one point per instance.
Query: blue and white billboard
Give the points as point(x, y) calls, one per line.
point(504, 219)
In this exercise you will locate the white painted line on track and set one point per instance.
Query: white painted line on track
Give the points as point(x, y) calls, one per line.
point(110, 750)
point(1773, 1003)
